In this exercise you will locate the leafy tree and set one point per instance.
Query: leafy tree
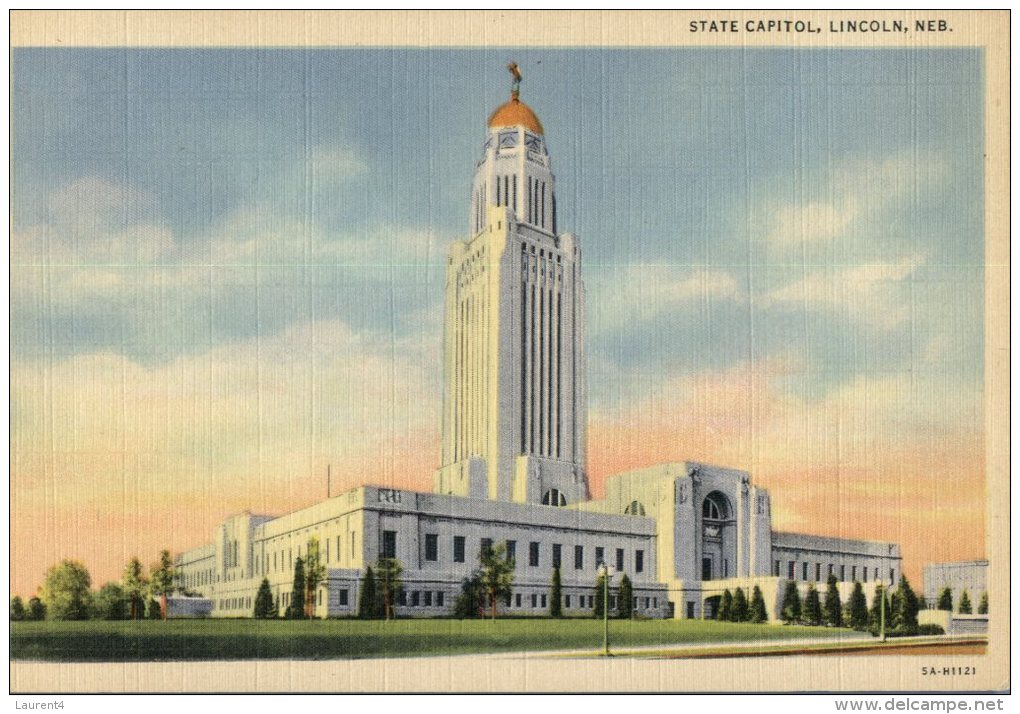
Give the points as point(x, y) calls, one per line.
point(791, 603)
point(471, 601)
point(36, 609)
point(111, 603)
point(600, 597)
point(315, 573)
point(66, 593)
point(296, 607)
point(368, 600)
point(833, 605)
point(556, 595)
point(946, 600)
point(264, 601)
point(17, 609)
point(388, 584)
point(625, 599)
point(153, 610)
point(983, 604)
point(875, 614)
point(497, 575)
point(812, 611)
point(965, 607)
point(906, 605)
point(857, 608)
point(162, 575)
point(135, 585)
point(725, 606)
point(739, 612)
point(758, 613)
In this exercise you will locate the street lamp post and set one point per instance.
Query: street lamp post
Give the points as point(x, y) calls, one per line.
point(606, 572)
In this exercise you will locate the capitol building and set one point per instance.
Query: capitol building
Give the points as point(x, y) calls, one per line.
point(513, 463)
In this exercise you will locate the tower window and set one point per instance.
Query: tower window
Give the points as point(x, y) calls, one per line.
point(554, 497)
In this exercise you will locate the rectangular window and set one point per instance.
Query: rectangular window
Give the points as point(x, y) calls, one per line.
point(319, 599)
point(428, 598)
point(557, 554)
point(892, 575)
point(567, 601)
point(533, 554)
point(543, 600)
point(804, 571)
point(612, 602)
point(343, 598)
point(775, 569)
point(830, 569)
point(431, 546)
point(655, 602)
point(517, 600)
point(818, 572)
point(578, 557)
point(511, 550)
point(402, 597)
point(639, 561)
point(439, 598)
point(600, 556)
point(876, 573)
point(389, 544)
point(458, 549)
point(415, 598)
point(338, 551)
point(842, 573)
point(647, 605)
point(864, 572)
point(791, 571)
point(534, 600)
point(486, 546)
point(327, 550)
point(726, 567)
point(853, 573)
point(619, 560)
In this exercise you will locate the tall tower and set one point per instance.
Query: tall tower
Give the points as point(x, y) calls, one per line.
point(515, 400)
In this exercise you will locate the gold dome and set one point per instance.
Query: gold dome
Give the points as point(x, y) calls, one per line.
point(515, 113)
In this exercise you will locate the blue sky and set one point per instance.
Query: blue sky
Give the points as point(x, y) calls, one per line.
point(227, 272)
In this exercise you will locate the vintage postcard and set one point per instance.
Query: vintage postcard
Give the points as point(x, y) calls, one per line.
point(509, 352)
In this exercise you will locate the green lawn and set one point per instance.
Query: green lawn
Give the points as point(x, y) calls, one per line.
point(99, 641)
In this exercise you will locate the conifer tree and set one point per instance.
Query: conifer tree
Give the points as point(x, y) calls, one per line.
point(812, 614)
point(875, 614)
point(625, 599)
point(983, 604)
point(906, 605)
point(388, 585)
point(739, 612)
point(833, 605)
point(600, 597)
point(36, 609)
point(296, 606)
point(367, 599)
point(791, 603)
point(264, 601)
point(857, 608)
point(965, 608)
point(725, 613)
point(556, 595)
point(758, 613)
point(946, 600)
point(922, 603)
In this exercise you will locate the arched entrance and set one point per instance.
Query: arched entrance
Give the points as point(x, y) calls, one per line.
point(718, 542)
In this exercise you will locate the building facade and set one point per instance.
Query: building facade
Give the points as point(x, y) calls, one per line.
point(513, 465)
point(965, 575)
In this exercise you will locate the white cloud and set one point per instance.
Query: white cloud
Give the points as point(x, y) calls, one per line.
point(643, 293)
point(873, 294)
point(850, 197)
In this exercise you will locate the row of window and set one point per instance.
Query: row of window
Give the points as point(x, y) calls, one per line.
point(276, 562)
point(389, 550)
point(806, 571)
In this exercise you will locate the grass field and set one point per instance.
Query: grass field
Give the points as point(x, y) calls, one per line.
point(100, 641)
